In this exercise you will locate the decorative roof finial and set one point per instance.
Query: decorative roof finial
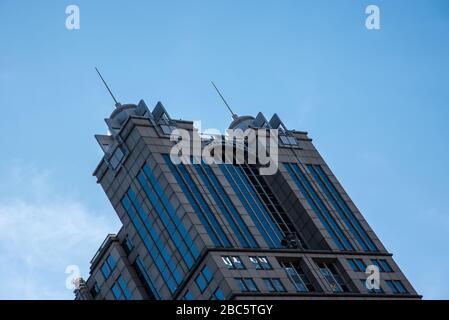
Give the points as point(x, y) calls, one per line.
point(117, 104)
point(234, 116)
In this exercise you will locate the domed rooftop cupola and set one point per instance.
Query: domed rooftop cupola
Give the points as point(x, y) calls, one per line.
point(242, 122)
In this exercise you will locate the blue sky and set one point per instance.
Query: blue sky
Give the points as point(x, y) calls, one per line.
point(374, 101)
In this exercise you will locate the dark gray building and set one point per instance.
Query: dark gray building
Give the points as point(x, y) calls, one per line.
point(224, 231)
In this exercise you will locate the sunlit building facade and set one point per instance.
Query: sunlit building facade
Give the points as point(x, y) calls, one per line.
point(224, 231)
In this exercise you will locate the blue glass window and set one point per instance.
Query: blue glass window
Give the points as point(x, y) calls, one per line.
point(162, 247)
point(260, 263)
point(342, 208)
point(255, 263)
point(105, 270)
point(178, 234)
point(108, 266)
point(125, 290)
point(227, 262)
point(250, 284)
point(261, 218)
point(246, 285)
point(357, 265)
point(233, 262)
point(264, 263)
point(361, 264)
point(188, 295)
point(382, 264)
point(374, 290)
point(385, 265)
point(332, 276)
point(241, 284)
point(354, 267)
point(206, 273)
point(111, 262)
point(396, 286)
point(128, 245)
point(198, 203)
point(120, 290)
point(377, 264)
point(203, 279)
point(142, 270)
point(277, 283)
point(392, 286)
point(95, 290)
point(226, 206)
point(151, 241)
point(318, 206)
point(116, 158)
point(237, 262)
point(297, 276)
point(273, 285)
point(268, 285)
point(400, 286)
point(201, 282)
point(118, 294)
point(218, 295)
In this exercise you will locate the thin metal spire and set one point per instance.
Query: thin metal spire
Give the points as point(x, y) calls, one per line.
point(234, 116)
point(107, 87)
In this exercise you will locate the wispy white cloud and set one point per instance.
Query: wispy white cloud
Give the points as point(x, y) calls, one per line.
point(41, 234)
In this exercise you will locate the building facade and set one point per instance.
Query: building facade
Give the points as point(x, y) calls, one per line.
point(224, 231)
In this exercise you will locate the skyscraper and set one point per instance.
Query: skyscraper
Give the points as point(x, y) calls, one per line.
point(224, 230)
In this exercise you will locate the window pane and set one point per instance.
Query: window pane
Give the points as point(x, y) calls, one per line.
point(251, 285)
point(284, 139)
point(353, 265)
point(377, 264)
point(269, 285)
point(278, 285)
point(218, 294)
point(111, 262)
point(124, 288)
point(360, 264)
point(329, 273)
point(241, 284)
point(116, 158)
point(237, 262)
point(188, 296)
point(128, 245)
point(206, 273)
point(201, 282)
point(227, 262)
point(117, 292)
point(105, 270)
point(318, 206)
point(255, 262)
point(400, 286)
point(392, 286)
point(385, 265)
point(264, 262)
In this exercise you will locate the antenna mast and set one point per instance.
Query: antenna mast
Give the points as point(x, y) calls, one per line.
point(234, 116)
point(107, 87)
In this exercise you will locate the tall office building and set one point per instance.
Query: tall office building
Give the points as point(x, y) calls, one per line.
point(225, 231)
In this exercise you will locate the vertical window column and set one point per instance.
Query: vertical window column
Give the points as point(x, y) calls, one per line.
point(178, 234)
point(318, 206)
point(198, 203)
point(158, 251)
point(226, 206)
